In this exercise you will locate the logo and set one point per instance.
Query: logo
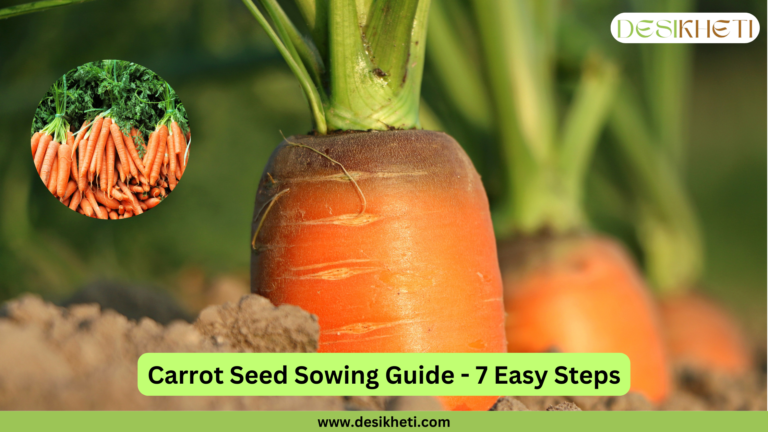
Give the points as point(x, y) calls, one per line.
point(685, 28)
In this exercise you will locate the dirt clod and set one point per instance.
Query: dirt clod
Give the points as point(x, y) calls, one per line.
point(83, 358)
point(565, 406)
point(507, 403)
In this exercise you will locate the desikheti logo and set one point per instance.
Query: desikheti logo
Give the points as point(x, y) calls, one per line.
point(685, 28)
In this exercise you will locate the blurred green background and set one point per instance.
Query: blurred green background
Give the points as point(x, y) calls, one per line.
point(240, 95)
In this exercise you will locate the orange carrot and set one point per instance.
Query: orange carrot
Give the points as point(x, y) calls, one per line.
point(104, 212)
point(701, 334)
point(134, 154)
point(156, 192)
point(118, 195)
point(101, 145)
point(87, 207)
point(113, 215)
point(172, 182)
point(122, 153)
point(91, 148)
point(65, 169)
point(121, 171)
point(42, 151)
point(158, 160)
point(35, 142)
point(121, 209)
point(51, 154)
point(80, 135)
point(136, 189)
point(584, 294)
point(110, 159)
point(143, 205)
point(75, 202)
point(103, 174)
point(152, 202)
point(134, 201)
point(108, 202)
point(64, 201)
point(70, 189)
point(73, 173)
point(151, 149)
point(128, 213)
point(54, 177)
point(386, 278)
point(177, 137)
point(94, 204)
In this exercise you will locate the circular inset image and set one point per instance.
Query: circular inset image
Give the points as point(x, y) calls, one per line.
point(110, 139)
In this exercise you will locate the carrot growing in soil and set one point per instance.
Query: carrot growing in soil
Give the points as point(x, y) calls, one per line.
point(699, 332)
point(402, 267)
point(565, 288)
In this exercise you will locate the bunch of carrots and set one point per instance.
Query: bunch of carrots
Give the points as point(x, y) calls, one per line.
point(106, 169)
point(103, 165)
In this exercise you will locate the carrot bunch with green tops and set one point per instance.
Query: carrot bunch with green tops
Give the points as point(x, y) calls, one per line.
point(106, 169)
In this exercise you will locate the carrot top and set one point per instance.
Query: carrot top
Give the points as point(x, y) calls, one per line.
point(130, 94)
point(360, 66)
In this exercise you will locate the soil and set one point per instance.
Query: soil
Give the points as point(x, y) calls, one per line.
point(83, 357)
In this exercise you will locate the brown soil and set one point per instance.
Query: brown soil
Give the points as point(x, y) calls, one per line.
point(84, 358)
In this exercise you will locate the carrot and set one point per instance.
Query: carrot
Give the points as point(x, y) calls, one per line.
point(65, 169)
point(121, 209)
point(386, 279)
point(110, 160)
point(157, 162)
point(75, 202)
point(172, 182)
point(118, 195)
point(103, 173)
point(583, 294)
point(136, 189)
point(134, 202)
point(108, 202)
point(94, 204)
point(91, 148)
point(113, 215)
point(104, 212)
point(128, 213)
point(35, 142)
point(701, 334)
point(151, 149)
point(152, 202)
point(80, 135)
point(122, 153)
point(65, 201)
point(101, 146)
point(42, 150)
point(87, 207)
point(177, 137)
point(70, 189)
point(121, 170)
point(143, 180)
point(51, 154)
point(156, 192)
point(54, 177)
point(143, 205)
point(134, 154)
point(166, 159)
point(73, 174)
